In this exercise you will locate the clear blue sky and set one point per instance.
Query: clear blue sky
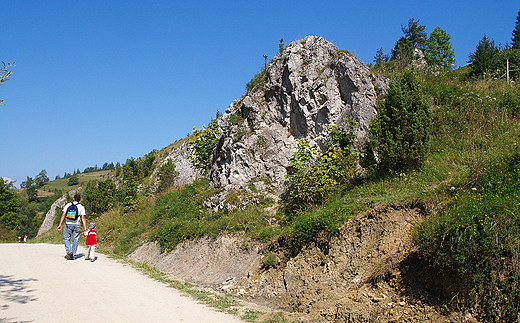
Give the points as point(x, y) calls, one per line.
point(103, 81)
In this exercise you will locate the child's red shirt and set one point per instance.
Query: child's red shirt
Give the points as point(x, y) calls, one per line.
point(91, 238)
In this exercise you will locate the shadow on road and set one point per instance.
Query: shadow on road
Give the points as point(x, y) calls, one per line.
point(15, 290)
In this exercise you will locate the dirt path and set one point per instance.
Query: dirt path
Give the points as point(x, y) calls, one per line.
point(38, 285)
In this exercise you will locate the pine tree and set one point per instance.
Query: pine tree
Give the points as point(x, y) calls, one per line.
point(401, 130)
point(483, 59)
point(381, 57)
point(403, 52)
point(415, 33)
point(516, 33)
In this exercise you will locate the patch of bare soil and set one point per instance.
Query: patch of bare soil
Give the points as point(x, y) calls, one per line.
point(208, 262)
point(369, 273)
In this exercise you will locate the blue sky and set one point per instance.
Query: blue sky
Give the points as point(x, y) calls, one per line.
point(103, 81)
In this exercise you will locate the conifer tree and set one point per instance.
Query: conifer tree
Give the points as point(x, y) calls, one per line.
point(403, 52)
point(381, 57)
point(401, 130)
point(404, 49)
point(483, 59)
point(516, 33)
point(415, 33)
point(10, 203)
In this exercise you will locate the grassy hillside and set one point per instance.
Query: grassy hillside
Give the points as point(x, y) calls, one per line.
point(61, 184)
point(469, 183)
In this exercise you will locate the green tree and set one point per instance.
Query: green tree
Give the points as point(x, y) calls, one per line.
point(145, 164)
point(438, 50)
point(10, 203)
point(28, 182)
point(32, 193)
point(127, 195)
point(415, 33)
point(30, 189)
point(281, 46)
point(26, 221)
point(515, 41)
point(403, 52)
point(313, 179)
point(203, 142)
point(381, 57)
point(513, 56)
point(167, 175)
point(73, 180)
point(107, 166)
point(130, 170)
point(483, 60)
point(400, 133)
point(99, 197)
point(41, 179)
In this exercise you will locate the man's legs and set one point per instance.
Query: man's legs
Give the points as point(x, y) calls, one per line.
point(66, 238)
point(71, 231)
point(75, 238)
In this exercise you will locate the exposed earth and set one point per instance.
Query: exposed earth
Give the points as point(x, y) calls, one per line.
point(369, 273)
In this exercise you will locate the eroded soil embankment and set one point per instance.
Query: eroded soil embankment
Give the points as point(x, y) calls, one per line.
point(369, 273)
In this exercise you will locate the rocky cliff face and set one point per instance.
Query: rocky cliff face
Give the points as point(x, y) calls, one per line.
point(308, 87)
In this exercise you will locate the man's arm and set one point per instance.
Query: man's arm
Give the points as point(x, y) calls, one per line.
point(84, 220)
point(61, 220)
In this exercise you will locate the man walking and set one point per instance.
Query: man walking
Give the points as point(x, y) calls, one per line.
point(72, 213)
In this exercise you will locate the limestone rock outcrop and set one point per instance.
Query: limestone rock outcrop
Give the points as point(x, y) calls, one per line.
point(55, 210)
point(308, 87)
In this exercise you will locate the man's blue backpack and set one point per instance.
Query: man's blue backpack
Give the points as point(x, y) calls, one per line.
point(72, 212)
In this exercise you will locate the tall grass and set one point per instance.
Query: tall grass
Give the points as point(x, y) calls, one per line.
point(475, 236)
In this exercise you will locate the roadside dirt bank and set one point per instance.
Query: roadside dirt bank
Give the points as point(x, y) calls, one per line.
point(369, 272)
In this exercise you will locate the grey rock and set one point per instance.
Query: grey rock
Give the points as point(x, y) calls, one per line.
point(307, 88)
point(55, 210)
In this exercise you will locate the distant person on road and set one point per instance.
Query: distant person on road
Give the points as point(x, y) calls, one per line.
point(91, 242)
point(72, 213)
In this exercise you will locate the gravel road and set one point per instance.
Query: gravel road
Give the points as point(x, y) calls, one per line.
point(38, 285)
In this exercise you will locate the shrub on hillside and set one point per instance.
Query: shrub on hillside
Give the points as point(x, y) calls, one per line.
point(167, 175)
point(99, 197)
point(314, 178)
point(202, 144)
point(73, 180)
point(400, 133)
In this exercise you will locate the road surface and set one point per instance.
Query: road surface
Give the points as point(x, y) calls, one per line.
point(37, 284)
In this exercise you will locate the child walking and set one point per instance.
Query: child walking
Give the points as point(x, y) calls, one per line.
point(91, 242)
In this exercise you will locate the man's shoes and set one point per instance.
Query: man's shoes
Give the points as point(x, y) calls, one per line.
point(87, 258)
point(69, 255)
